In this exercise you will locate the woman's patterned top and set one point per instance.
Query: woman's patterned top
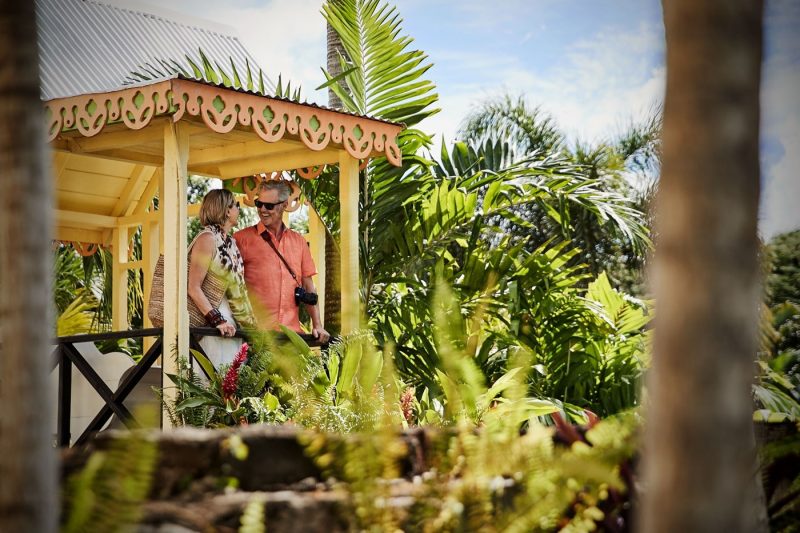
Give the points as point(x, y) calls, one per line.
point(228, 264)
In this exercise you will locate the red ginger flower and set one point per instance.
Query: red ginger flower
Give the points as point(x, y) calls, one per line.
point(407, 404)
point(231, 381)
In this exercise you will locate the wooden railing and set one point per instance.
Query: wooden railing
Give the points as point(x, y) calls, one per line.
point(66, 355)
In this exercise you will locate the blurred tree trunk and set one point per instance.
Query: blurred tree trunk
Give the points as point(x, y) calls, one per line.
point(27, 457)
point(699, 463)
point(333, 283)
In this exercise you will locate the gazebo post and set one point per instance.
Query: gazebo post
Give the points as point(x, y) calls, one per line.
point(172, 205)
point(119, 279)
point(316, 242)
point(348, 204)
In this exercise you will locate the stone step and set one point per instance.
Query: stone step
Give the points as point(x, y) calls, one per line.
point(194, 460)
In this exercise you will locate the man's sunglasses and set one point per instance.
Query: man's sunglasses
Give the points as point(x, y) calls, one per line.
point(266, 205)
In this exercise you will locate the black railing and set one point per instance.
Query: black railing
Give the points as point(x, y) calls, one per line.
point(66, 355)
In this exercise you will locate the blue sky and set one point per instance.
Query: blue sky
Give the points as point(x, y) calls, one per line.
point(594, 65)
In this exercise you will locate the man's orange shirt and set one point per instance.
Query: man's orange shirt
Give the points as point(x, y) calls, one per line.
point(269, 283)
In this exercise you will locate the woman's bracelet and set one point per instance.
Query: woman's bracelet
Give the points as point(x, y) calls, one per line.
point(214, 317)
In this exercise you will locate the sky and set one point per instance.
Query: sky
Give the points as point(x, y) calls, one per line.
point(593, 65)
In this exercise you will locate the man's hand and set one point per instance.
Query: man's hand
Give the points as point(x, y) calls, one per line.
point(320, 334)
point(227, 329)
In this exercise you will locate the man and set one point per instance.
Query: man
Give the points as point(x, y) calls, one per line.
point(276, 262)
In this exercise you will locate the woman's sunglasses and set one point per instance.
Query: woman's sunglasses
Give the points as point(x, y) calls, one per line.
point(266, 205)
point(234, 204)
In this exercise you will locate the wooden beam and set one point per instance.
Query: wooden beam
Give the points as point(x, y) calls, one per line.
point(172, 205)
point(123, 155)
point(123, 138)
point(348, 200)
point(137, 220)
point(79, 235)
point(84, 220)
point(60, 162)
point(277, 162)
point(245, 150)
point(149, 192)
point(133, 189)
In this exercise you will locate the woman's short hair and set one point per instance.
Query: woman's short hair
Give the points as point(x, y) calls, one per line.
point(283, 188)
point(214, 209)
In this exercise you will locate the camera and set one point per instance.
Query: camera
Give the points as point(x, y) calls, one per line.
point(303, 297)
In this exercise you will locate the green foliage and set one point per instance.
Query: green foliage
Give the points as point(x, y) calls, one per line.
point(106, 495)
point(82, 292)
point(496, 480)
point(511, 119)
point(777, 392)
point(783, 280)
point(253, 517)
point(203, 69)
point(341, 391)
point(780, 460)
point(380, 76)
point(205, 402)
point(487, 477)
point(78, 316)
point(451, 217)
point(605, 243)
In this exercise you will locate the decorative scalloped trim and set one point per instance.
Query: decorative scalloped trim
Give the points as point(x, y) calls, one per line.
point(248, 197)
point(221, 110)
point(84, 249)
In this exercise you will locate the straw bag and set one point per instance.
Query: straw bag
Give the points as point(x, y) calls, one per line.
point(213, 287)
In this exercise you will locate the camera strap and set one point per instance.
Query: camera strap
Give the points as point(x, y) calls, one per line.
point(268, 239)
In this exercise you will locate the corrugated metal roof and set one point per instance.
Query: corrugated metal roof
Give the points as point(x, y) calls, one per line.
point(86, 46)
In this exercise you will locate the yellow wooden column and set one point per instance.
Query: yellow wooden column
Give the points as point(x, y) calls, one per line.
point(348, 205)
point(316, 243)
point(172, 204)
point(119, 279)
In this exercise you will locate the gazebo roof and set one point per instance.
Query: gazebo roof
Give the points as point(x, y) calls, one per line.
point(109, 146)
point(86, 46)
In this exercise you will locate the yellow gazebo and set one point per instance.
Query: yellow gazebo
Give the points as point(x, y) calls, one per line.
point(115, 151)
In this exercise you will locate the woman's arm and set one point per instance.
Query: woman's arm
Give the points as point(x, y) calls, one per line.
point(202, 252)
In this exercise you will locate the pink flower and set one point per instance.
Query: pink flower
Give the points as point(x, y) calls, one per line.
point(407, 404)
point(231, 381)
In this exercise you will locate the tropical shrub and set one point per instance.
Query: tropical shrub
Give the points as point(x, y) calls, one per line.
point(235, 394)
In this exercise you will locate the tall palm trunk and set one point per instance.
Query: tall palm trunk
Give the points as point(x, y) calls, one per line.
point(699, 458)
point(27, 458)
point(333, 285)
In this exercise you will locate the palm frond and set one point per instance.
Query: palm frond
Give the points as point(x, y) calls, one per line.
point(381, 76)
point(203, 68)
point(526, 129)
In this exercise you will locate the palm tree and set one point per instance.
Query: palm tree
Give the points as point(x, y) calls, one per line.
point(336, 57)
point(530, 132)
point(441, 218)
point(27, 458)
point(699, 462)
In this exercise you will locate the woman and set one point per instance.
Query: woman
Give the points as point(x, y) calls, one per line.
point(214, 252)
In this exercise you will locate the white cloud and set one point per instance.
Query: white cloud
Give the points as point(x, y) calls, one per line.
point(599, 84)
point(286, 37)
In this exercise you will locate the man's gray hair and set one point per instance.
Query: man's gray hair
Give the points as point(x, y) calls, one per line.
point(283, 188)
